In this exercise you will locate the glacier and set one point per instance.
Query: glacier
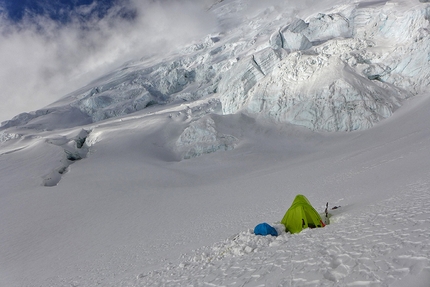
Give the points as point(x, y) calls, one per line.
point(156, 173)
point(342, 70)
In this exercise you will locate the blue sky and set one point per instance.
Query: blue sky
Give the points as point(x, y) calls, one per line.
point(59, 10)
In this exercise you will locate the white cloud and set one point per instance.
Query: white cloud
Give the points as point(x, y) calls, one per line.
point(41, 61)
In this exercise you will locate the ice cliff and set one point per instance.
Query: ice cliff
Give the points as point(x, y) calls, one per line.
point(340, 70)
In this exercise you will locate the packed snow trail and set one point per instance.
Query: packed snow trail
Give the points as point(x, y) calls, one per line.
point(384, 244)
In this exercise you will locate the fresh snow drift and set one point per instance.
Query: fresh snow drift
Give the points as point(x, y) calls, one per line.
point(157, 173)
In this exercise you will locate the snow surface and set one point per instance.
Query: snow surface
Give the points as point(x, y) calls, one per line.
point(156, 174)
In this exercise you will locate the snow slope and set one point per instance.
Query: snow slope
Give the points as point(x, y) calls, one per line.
point(130, 215)
point(143, 179)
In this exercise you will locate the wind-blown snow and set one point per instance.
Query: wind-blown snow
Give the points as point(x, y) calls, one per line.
point(157, 173)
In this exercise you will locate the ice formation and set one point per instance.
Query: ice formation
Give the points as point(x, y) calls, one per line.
point(75, 148)
point(202, 137)
point(342, 70)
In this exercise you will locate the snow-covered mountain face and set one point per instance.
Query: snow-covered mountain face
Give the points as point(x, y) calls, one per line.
point(95, 190)
point(342, 69)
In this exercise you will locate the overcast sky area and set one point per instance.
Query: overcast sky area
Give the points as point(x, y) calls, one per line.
point(48, 50)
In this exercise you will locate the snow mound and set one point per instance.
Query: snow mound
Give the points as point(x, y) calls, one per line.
point(4, 137)
point(202, 137)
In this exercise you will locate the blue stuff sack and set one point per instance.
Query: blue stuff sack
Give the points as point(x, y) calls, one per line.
point(265, 229)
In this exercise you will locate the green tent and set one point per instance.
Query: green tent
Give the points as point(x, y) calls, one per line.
point(301, 215)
